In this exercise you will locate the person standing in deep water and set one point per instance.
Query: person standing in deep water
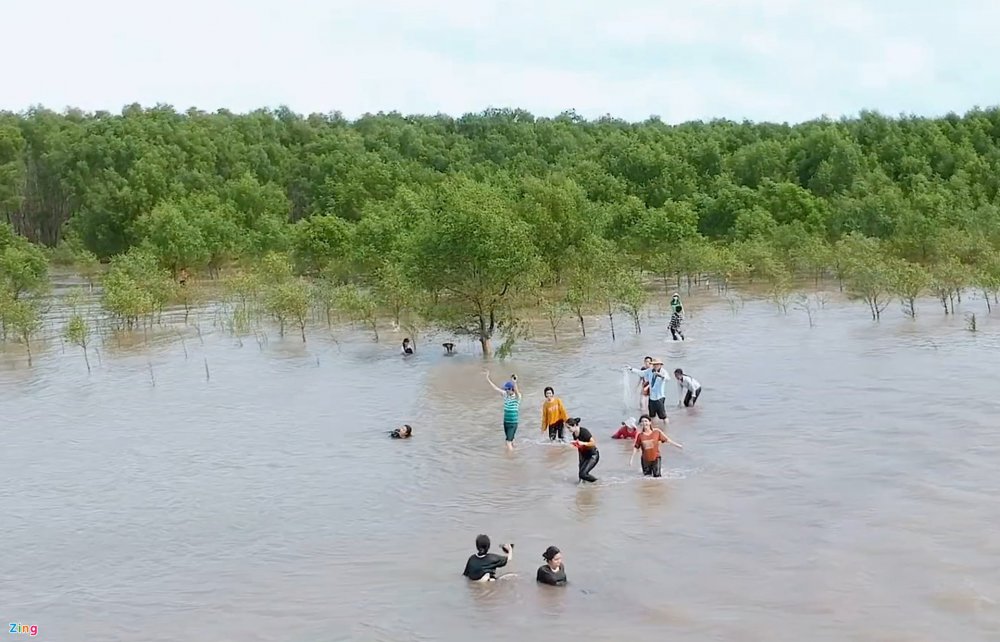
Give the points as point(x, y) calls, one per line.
point(482, 567)
point(552, 572)
point(585, 443)
point(407, 346)
point(554, 415)
point(676, 317)
point(511, 408)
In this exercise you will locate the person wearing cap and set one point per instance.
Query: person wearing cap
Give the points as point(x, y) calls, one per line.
point(627, 430)
point(657, 380)
point(676, 316)
point(552, 572)
point(511, 408)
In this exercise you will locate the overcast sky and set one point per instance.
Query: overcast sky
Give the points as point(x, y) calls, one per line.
point(681, 60)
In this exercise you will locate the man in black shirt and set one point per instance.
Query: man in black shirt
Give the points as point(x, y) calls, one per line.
point(587, 446)
point(482, 567)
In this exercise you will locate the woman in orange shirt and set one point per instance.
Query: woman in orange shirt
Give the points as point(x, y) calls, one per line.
point(554, 415)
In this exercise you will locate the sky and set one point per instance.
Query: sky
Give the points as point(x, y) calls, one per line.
point(774, 60)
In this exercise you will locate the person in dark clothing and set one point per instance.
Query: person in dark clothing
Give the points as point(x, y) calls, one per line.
point(585, 443)
point(552, 571)
point(407, 346)
point(482, 567)
point(402, 433)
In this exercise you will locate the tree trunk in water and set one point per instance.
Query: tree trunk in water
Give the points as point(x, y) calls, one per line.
point(989, 308)
point(583, 327)
point(611, 318)
point(487, 345)
point(302, 327)
point(86, 359)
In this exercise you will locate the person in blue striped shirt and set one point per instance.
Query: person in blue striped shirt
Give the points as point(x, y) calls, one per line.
point(511, 407)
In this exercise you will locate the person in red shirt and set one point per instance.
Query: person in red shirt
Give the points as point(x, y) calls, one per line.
point(648, 441)
point(627, 430)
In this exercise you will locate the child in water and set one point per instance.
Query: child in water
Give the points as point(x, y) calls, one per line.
point(407, 347)
point(553, 415)
point(511, 408)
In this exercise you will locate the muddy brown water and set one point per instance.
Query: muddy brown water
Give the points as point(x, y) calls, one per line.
point(839, 482)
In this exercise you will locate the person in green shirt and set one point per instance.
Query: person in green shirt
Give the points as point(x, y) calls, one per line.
point(511, 407)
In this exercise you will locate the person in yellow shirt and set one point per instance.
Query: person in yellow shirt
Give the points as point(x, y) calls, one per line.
point(554, 415)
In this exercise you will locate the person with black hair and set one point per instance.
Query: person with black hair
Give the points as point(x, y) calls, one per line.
point(407, 347)
point(586, 445)
point(482, 567)
point(552, 571)
point(687, 386)
point(402, 433)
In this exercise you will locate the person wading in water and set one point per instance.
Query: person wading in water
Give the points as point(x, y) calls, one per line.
point(553, 415)
point(511, 408)
point(648, 441)
point(676, 317)
point(585, 443)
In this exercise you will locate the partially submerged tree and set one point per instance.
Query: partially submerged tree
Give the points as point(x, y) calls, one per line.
point(475, 257)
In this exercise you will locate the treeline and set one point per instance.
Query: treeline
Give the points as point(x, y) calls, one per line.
point(466, 220)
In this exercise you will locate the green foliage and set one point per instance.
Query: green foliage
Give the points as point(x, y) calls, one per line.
point(136, 287)
point(869, 274)
point(476, 257)
point(288, 301)
point(463, 220)
point(24, 267)
point(908, 281)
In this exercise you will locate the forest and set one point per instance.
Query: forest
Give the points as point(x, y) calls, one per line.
point(465, 223)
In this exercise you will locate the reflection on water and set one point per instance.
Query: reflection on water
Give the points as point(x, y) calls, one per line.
point(838, 483)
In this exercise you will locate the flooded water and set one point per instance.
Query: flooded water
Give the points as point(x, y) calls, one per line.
point(838, 483)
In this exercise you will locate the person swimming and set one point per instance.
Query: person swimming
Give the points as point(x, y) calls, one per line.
point(648, 440)
point(449, 348)
point(687, 386)
point(676, 316)
point(407, 346)
point(482, 567)
point(586, 445)
point(627, 430)
point(554, 415)
point(511, 408)
point(405, 432)
point(552, 572)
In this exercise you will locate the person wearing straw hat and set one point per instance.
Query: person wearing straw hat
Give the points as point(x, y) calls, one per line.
point(657, 380)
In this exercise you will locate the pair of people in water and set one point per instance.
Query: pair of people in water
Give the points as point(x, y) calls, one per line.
point(483, 566)
point(653, 381)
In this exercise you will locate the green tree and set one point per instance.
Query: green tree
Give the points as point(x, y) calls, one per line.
point(909, 281)
point(173, 237)
point(475, 257)
point(868, 275)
